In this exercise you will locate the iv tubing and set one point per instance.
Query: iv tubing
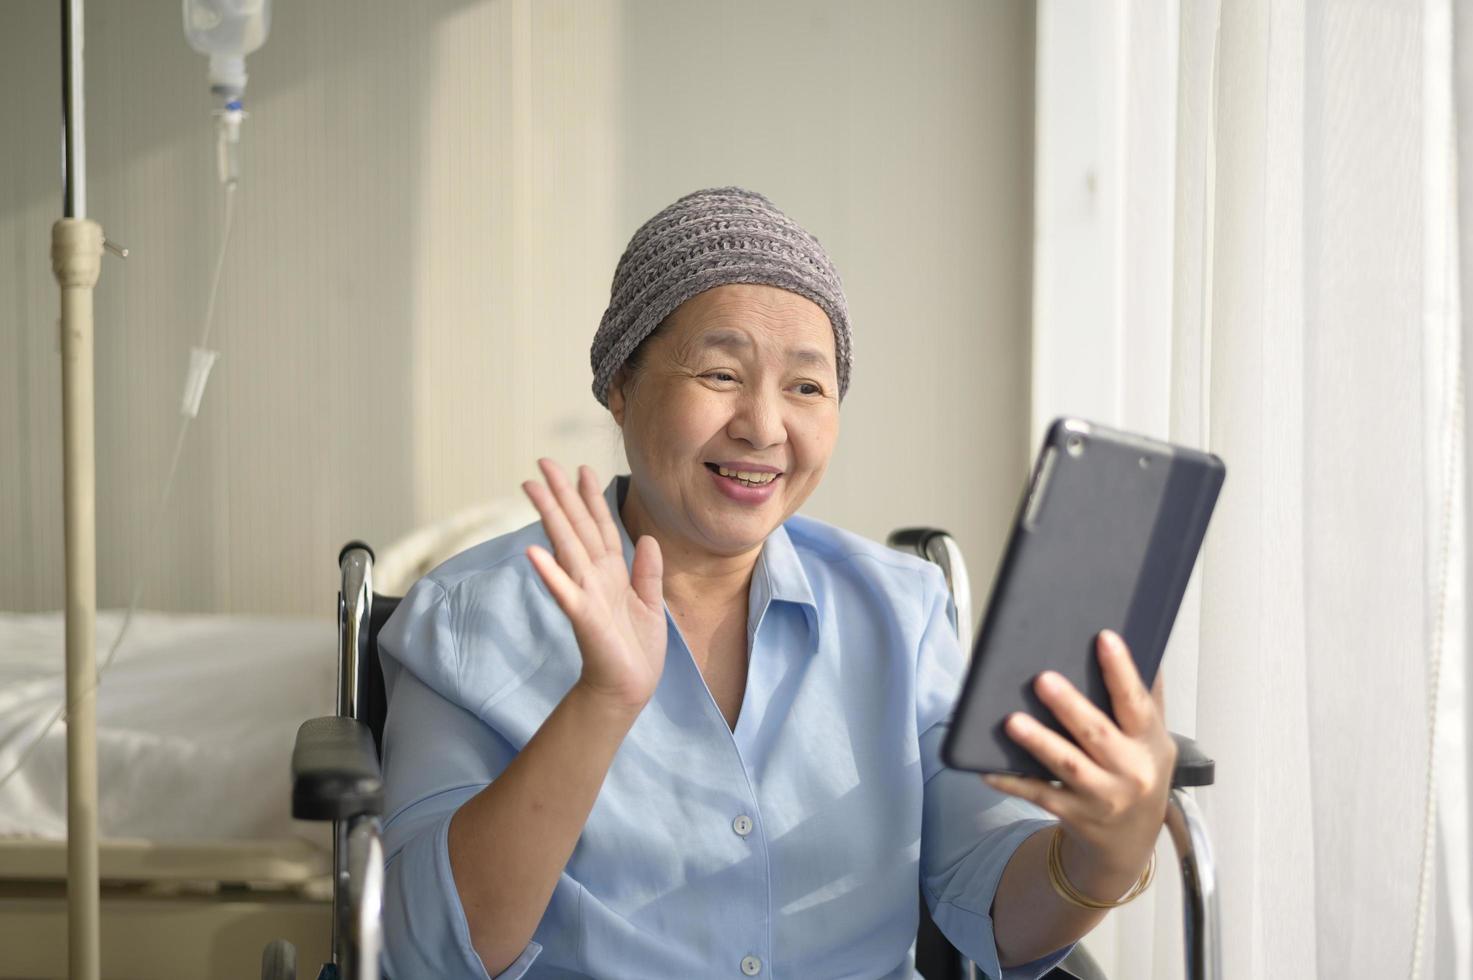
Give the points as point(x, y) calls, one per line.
point(68, 709)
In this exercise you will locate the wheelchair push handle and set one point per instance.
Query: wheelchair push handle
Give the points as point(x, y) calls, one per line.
point(1193, 766)
point(355, 545)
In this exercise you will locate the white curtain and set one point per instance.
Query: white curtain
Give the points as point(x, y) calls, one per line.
point(1296, 314)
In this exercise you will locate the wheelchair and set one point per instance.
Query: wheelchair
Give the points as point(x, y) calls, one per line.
point(336, 777)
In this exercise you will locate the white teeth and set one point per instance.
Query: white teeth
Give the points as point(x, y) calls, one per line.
point(757, 479)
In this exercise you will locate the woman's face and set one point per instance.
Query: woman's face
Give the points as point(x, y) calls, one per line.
point(730, 417)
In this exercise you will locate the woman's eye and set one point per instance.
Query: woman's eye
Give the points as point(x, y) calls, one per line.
point(721, 376)
point(809, 388)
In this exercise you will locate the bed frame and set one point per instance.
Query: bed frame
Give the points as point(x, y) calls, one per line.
point(176, 911)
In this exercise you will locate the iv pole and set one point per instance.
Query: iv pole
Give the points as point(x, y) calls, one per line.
point(76, 260)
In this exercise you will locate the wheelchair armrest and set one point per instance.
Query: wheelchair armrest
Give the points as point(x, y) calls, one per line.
point(335, 771)
point(1078, 965)
point(1193, 767)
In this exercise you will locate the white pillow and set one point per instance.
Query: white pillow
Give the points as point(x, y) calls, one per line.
point(406, 560)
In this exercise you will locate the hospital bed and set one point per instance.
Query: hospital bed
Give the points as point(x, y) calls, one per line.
point(201, 863)
point(336, 779)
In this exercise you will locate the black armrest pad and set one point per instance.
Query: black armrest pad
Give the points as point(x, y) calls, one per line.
point(1193, 767)
point(335, 771)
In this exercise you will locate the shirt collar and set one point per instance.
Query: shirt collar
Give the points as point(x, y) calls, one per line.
point(778, 577)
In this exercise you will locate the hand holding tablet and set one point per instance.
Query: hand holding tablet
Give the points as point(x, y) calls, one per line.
point(1105, 539)
point(1058, 706)
point(1111, 779)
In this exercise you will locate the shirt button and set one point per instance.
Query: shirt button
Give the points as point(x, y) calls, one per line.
point(751, 965)
point(743, 826)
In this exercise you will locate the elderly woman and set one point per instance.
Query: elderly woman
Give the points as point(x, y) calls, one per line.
point(698, 736)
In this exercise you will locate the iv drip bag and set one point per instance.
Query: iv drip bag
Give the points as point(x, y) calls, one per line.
point(227, 31)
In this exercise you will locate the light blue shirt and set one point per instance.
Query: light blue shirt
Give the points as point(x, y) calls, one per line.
point(789, 849)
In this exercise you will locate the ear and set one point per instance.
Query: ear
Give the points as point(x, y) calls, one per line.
point(617, 401)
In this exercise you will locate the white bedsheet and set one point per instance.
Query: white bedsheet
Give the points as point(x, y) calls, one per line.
point(195, 725)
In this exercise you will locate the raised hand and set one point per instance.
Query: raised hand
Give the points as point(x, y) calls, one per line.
point(618, 615)
point(1112, 789)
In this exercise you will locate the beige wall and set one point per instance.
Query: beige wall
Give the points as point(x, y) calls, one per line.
point(434, 196)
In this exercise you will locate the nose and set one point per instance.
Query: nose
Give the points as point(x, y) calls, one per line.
point(758, 419)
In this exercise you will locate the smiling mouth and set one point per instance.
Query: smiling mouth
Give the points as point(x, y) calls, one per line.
point(744, 477)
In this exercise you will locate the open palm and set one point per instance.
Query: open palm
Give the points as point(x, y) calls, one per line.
point(618, 613)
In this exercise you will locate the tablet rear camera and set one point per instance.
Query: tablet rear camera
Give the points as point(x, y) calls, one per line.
point(1075, 446)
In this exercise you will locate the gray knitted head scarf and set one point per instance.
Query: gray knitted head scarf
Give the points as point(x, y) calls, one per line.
point(711, 238)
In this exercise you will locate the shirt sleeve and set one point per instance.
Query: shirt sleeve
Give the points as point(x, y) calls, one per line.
point(437, 755)
point(969, 830)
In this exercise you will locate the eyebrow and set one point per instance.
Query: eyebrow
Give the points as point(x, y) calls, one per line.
point(809, 357)
point(735, 340)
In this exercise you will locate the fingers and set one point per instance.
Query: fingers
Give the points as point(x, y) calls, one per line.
point(1135, 712)
point(1158, 693)
point(647, 575)
point(1054, 799)
point(570, 551)
point(1092, 728)
point(574, 508)
point(1060, 756)
point(598, 507)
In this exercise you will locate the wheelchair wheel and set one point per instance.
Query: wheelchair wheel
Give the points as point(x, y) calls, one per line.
point(279, 961)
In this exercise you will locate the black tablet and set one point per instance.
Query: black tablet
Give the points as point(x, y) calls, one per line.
point(1105, 538)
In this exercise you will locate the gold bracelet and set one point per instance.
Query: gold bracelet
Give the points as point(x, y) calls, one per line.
point(1073, 895)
